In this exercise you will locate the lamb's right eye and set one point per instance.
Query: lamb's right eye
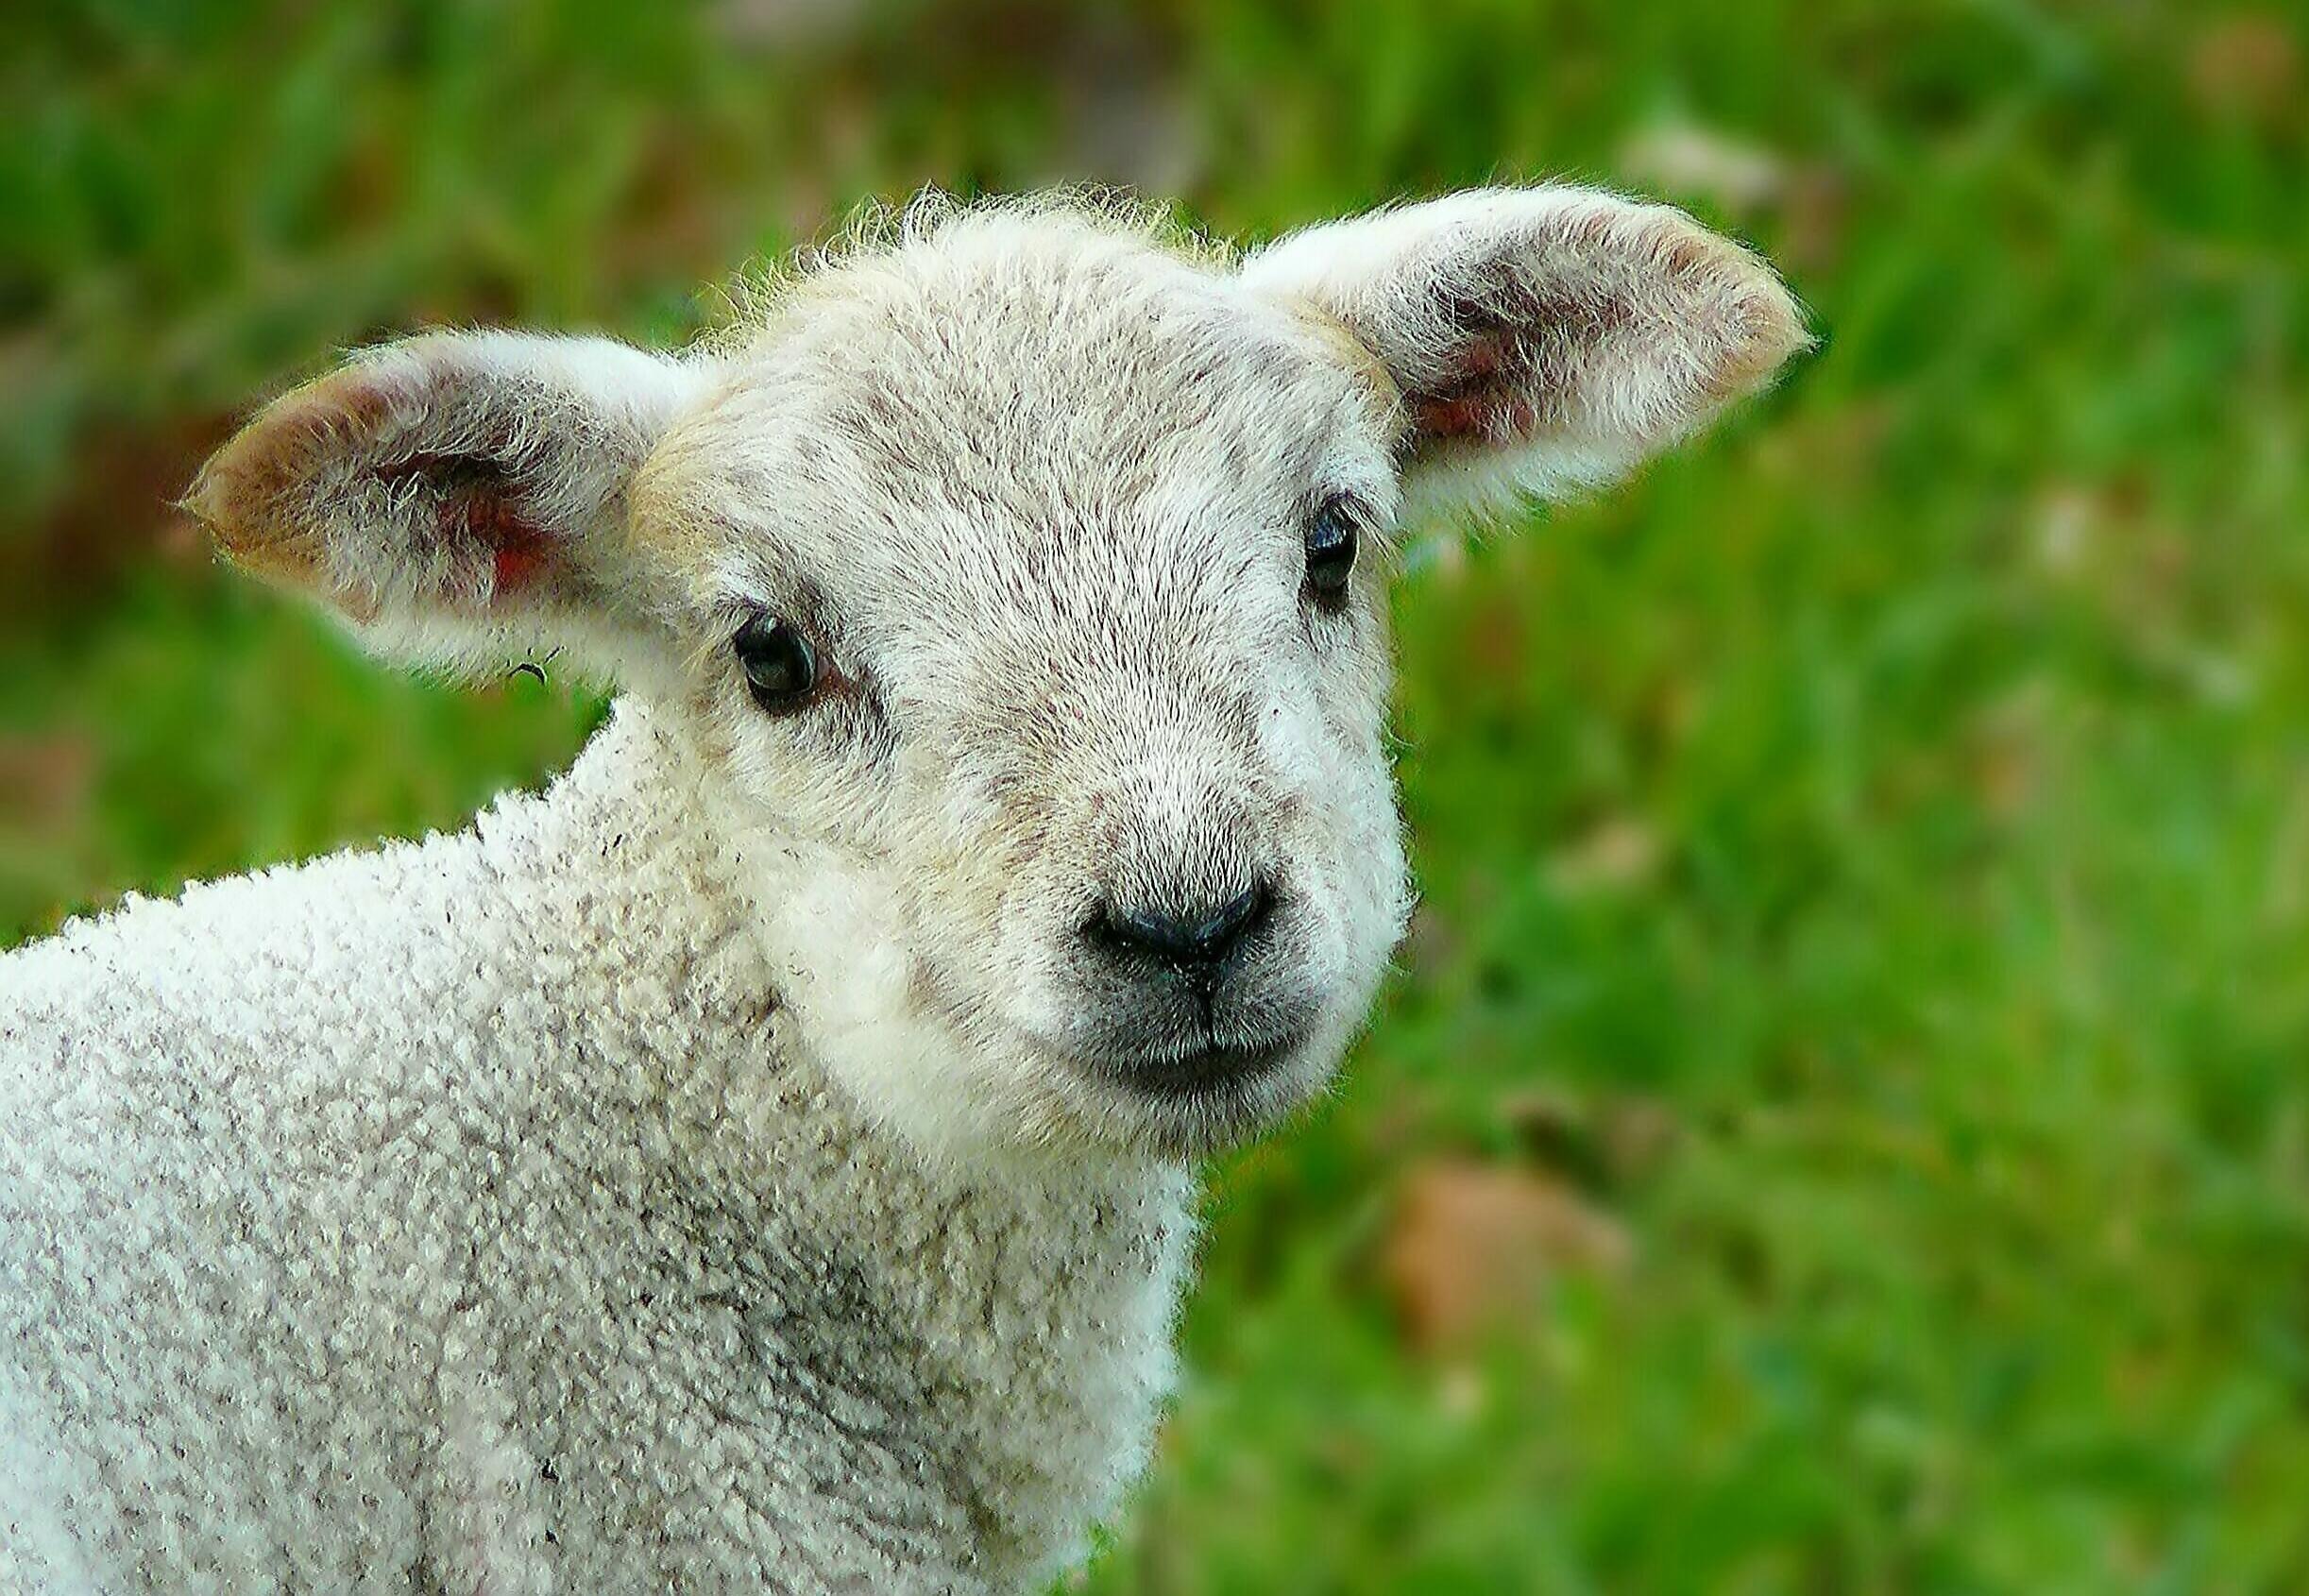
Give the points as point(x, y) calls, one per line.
point(1330, 551)
point(781, 668)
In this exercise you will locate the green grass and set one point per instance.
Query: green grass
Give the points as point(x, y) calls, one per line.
point(1867, 859)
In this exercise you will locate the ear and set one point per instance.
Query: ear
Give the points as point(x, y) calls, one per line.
point(1540, 340)
point(459, 497)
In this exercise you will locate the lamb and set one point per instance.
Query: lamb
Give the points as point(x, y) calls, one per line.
point(764, 1159)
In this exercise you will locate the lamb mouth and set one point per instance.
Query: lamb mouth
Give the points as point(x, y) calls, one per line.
point(1211, 1065)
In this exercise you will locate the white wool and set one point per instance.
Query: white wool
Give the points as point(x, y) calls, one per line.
point(470, 1214)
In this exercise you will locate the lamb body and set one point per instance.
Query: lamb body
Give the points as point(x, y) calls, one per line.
point(516, 1243)
point(762, 1161)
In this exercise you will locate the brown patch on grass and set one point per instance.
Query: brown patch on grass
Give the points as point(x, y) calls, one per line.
point(47, 778)
point(2248, 66)
point(1473, 1243)
point(119, 512)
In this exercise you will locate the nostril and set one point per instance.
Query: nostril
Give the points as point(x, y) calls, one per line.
point(1204, 937)
point(1235, 919)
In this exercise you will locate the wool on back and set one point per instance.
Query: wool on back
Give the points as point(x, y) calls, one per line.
point(469, 1214)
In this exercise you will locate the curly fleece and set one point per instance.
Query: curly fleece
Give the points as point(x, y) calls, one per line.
point(466, 1211)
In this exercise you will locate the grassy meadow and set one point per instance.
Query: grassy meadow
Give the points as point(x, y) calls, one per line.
point(1842, 1122)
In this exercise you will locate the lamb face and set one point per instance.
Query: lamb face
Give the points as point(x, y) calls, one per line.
point(1099, 754)
point(1021, 588)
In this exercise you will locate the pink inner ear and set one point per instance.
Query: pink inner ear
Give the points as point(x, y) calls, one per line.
point(515, 563)
point(476, 515)
point(1497, 415)
point(519, 551)
point(1485, 394)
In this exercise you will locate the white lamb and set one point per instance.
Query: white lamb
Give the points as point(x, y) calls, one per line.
point(762, 1161)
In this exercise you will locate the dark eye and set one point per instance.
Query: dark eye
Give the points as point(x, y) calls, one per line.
point(781, 668)
point(1330, 551)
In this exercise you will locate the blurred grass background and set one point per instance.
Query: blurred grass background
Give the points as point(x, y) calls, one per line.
point(1844, 1121)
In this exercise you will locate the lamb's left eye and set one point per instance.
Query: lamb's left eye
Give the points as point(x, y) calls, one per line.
point(781, 668)
point(1330, 551)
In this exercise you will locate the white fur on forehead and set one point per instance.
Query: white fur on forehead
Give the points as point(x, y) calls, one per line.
point(971, 382)
point(1543, 340)
point(932, 218)
point(936, 296)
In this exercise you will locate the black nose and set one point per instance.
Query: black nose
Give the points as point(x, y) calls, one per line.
point(1196, 942)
